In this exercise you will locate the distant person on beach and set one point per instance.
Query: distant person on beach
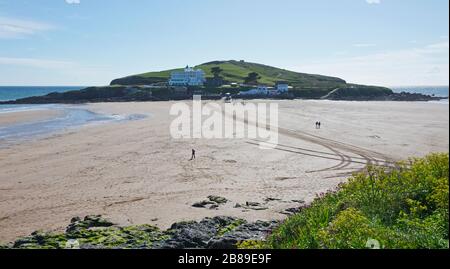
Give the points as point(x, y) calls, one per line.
point(193, 154)
point(319, 124)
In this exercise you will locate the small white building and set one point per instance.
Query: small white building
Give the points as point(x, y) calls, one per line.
point(188, 77)
point(249, 92)
point(260, 90)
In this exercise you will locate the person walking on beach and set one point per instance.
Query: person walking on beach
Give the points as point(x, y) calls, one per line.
point(193, 154)
point(319, 124)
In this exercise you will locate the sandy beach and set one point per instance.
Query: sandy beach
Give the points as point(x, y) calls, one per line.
point(133, 172)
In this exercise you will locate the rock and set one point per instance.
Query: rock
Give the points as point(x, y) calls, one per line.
point(252, 204)
point(259, 208)
point(291, 211)
point(23, 242)
point(226, 242)
point(88, 222)
point(203, 204)
point(215, 233)
point(94, 232)
point(270, 199)
point(194, 234)
point(218, 199)
point(215, 206)
point(213, 201)
point(75, 219)
point(90, 246)
point(237, 205)
point(247, 231)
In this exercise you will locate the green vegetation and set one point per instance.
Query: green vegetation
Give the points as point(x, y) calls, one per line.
point(231, 227)
point(405, 208)
point(216, 70)
point(226, 72)
point(98, 235)
point(252, 78)
point(96, 232)
point(353, 92)
point(238, 71)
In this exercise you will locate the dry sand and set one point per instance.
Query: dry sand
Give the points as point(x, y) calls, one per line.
point(134, 172)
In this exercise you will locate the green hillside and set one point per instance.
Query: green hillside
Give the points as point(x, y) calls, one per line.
point(304, 85)
point(237, 71)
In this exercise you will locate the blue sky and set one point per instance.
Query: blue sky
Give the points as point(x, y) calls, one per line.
point(91, 42)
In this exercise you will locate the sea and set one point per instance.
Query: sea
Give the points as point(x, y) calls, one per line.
point(438, 91)
point(8, 93)
point(70, 116)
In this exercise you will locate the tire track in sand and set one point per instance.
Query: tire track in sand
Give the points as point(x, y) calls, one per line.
point(369, 157)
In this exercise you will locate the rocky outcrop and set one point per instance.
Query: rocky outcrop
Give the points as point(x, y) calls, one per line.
point(371, 93)
point(77, 225)
point(92, 95)
point(138, 80)
point(194, 234)
point(163, 93)
point(95, 232)
point(213, 202)
point(256, 231)
point(413, 97)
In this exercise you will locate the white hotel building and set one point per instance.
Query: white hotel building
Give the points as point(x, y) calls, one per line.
point(188, 77)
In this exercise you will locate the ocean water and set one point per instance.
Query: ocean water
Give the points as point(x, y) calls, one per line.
point(438, 91)
point(8, 93)
point(71, 116)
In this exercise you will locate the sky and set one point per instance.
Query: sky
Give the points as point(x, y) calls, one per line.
point(91, 42)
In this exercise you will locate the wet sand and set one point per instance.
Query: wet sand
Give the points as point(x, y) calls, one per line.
point(27, 116)
point(134, 172)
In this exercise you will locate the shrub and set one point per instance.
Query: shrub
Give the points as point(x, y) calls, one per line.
point(406, 207)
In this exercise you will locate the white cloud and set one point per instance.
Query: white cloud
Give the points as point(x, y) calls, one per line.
point(17, 28)
point(70, 2)
point(428, 65)
point(370, 2)
point(39, 71)
point(36, 63)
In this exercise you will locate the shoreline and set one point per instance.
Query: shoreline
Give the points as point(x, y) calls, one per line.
point(15, 117)
point(34, 122)
point(425, 98)
point(133, 172)
point(139, 93)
